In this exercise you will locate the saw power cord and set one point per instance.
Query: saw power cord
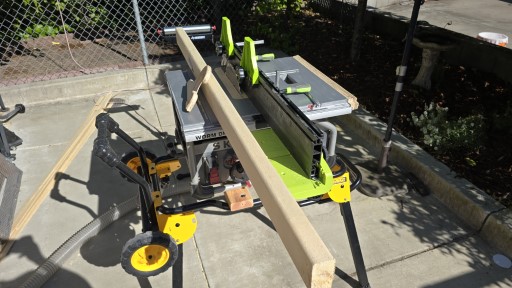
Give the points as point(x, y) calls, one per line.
point(149, 88)
point(67, 39)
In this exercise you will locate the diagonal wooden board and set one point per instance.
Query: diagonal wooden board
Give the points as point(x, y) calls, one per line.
point(29, 209)
point(352, 100)
point(311, 257)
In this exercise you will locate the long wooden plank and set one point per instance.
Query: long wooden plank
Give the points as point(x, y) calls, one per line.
point(352, 100)
point(30, 207)
point(311, 257)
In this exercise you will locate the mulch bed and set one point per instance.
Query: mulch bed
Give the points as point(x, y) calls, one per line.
point(465, 91)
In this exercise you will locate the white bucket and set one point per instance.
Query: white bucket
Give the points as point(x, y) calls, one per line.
point(494, 38)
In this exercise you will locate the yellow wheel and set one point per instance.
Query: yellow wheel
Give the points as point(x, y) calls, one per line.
point(132, 160)
point(149, 254)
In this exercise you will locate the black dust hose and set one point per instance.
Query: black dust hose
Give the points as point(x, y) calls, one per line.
point(53, 263)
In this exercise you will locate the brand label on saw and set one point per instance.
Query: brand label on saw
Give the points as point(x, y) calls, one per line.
point(221, 145)
point(210, 135)
point(210, 146)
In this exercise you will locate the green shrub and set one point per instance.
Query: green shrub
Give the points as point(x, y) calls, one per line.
point(42, 29)
point(277, 22)
point(441, 134)
point(272, 6)
point(40, 18)
point(501, 121)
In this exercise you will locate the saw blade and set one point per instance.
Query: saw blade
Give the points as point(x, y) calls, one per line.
point(233, 76)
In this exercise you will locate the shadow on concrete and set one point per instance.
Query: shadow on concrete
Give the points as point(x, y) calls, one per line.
point(57, 195)
point(110, 188)
point(481, 276)
point(347, 278)
point(26, 247)
point(429, 220)
point(265, 220)
point(253, 211)
point(434, 226)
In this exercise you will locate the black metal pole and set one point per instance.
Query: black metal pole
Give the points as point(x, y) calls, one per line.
point(386, 143)
point(2, 106)
point(355, 247)
point(177, 269)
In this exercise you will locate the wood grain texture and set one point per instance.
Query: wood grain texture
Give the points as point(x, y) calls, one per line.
point(239, 199)
point(352, 100)
point(30, 207)
point(203, 77)
point(311, 257)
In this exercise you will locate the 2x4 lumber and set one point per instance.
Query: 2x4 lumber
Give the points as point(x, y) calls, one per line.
point(29, 209)
point(352, 100)
point(311, 257)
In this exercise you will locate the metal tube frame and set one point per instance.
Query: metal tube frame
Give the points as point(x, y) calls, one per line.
point(147, 183)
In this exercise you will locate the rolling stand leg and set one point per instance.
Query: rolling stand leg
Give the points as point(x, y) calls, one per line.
point(353, 240)
point(177, 269)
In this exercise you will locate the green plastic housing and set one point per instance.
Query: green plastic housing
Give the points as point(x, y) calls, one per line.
point(300, 185)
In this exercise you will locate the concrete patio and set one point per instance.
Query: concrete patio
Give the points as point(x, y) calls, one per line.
point(407, 240)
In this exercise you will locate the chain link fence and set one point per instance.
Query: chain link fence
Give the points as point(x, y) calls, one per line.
point(342, 11)
point(43, 39)
point(51, 39)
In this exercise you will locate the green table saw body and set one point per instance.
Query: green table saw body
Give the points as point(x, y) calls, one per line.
point(300, 185)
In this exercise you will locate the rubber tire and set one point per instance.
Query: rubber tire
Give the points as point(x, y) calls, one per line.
point(145, 239)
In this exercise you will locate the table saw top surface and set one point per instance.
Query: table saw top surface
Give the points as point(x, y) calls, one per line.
point(201, 123)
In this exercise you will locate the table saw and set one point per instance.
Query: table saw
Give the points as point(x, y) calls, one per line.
point(208, 150)
point(284, 102)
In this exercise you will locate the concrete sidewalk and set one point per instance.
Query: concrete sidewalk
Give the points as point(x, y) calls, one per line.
point(468, 17)
point(407, 240)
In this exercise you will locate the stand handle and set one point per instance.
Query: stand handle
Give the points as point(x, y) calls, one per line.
point(102, 148)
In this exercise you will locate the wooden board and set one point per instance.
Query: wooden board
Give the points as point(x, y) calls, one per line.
point(193, 90)
point(352, 100)
point(311, 257)
point(239, 199)
point(30, 207)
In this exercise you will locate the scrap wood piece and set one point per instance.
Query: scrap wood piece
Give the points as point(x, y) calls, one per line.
point(194, 85)
point(311, 257)
point(10, 182)
point(239, 199)
point(352, 100)
point(30, 207)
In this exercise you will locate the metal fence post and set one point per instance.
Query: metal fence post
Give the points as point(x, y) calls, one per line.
point(139, 30)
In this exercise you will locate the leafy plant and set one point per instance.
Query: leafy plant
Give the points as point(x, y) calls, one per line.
point(440, 133)
point(502, 122)
point(270, 6)
point(276, 23)
point(96, 15)
point(42, 17)
point(41, 30)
